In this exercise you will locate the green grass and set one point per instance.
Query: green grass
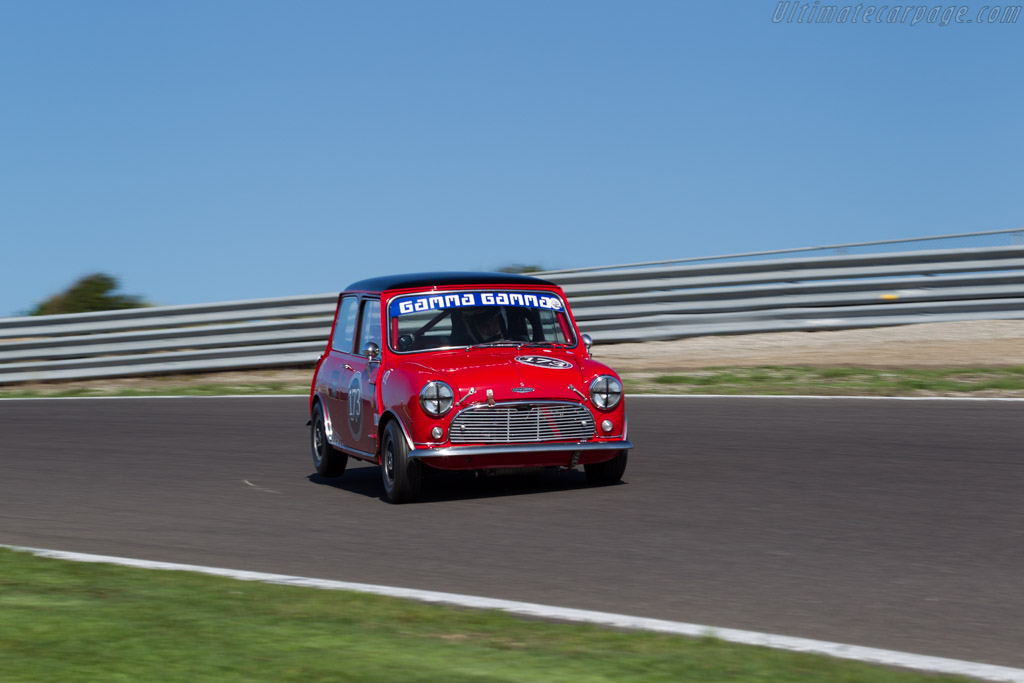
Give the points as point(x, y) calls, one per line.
point(835, 381)
point(768, 380)
point(67, 621)
point(268, 388)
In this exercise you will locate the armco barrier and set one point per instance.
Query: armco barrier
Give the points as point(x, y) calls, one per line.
point(615, 304)
point(831, 292)
point(259, 333)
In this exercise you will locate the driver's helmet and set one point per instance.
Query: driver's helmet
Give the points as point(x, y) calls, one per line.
point(483, 323)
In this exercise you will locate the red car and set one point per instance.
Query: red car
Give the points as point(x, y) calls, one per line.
point(462, 371)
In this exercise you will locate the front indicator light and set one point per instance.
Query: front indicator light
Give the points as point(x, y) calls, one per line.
point(606, 426)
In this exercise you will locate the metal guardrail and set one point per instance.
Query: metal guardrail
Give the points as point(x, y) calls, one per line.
point(832, 292)
point(666, 300)
point(234, 335)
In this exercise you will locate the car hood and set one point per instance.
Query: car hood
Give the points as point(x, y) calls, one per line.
point(511, 374)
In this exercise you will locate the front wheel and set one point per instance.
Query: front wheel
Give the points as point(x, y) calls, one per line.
point(607, 472)
point(328, 461)
point(401, 475)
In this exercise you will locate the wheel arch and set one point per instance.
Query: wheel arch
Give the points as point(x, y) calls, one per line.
point(388, 416)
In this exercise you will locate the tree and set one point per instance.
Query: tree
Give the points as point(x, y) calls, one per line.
point(91, 293)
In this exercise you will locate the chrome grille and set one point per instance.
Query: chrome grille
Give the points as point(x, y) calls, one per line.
point(522, 423)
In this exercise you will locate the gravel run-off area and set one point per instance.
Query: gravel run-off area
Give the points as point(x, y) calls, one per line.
point(973, 344)
point(978, 343)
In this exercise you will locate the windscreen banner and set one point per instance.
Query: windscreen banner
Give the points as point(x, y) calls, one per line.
point(429, 302)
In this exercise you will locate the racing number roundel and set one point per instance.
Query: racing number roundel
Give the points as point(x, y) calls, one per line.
point(355, 406)
point(544, 362)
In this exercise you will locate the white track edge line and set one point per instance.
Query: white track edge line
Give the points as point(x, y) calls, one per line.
point(125, 398)
point(991, 672)
point(764, 396)
point(832, 398)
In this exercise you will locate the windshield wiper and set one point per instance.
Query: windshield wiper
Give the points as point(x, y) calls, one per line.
point(543, 345)
point(497, 342)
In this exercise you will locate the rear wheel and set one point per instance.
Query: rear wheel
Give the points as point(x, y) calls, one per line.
point(402, 476)
point(607, 472)
point(328, 461)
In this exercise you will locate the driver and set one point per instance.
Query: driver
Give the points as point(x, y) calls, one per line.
point(485, 324)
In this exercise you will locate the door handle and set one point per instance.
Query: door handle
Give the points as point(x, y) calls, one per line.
point(348, 367)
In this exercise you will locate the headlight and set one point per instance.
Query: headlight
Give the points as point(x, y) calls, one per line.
point(605, 392)
point(437, 398)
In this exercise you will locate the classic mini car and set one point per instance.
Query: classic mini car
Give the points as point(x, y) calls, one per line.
point(462, 371)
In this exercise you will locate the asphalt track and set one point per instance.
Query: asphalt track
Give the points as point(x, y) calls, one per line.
point(889, 524)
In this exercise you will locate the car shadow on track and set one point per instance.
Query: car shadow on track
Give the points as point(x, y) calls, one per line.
point(362, 480)
point(443, 487)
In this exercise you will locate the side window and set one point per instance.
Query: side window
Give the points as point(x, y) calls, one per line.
point(369, 331)
point(345, 328)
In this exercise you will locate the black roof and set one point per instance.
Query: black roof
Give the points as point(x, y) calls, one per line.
point(409, 280)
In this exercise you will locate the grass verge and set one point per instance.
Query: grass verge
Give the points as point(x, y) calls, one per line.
point(834, 381)
point(765, 380)
point(62, 621)
point(242, 389)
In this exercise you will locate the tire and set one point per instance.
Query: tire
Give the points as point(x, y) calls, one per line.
point(401, 475)
point(608, 472)
point(329, 462)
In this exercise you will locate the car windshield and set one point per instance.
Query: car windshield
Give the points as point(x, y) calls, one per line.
point(439, 320)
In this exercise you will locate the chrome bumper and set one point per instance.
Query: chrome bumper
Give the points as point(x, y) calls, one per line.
point(520, 448)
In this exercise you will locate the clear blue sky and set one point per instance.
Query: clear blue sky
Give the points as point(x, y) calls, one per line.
point(209, 151)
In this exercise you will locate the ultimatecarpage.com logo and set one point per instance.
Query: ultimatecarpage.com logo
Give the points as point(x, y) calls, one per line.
point(790, 12)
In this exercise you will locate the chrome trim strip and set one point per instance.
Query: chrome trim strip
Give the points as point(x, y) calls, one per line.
point(319, 395)
point(362, 455)
point(579, 393)
point(482, 405)
point(519, 448)
point(475, 411)
point(408, 439)
point(329, 432)
point(335, 440)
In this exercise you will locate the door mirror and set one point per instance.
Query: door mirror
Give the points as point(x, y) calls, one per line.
point(371, 351)
point(587, 341)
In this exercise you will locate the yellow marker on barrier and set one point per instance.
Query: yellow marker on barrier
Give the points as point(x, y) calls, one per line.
point(890, 297)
